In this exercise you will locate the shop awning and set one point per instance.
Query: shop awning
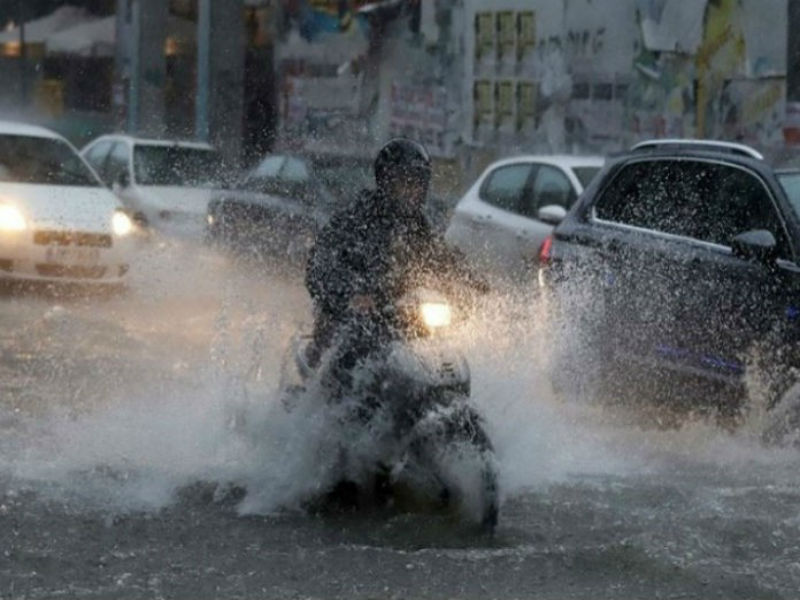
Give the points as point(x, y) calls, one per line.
point(97, 38)
point(38, 31)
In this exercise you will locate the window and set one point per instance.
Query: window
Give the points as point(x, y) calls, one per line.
point(550, 187)
point(580, 91)
point(603, 91)
point(507, 186)
point(268, 167)
point(96, 156)
point(288, 177)
point(295, 170)
point(791, 185)
point(175, 165)
point(705, 201)
point(26, 159)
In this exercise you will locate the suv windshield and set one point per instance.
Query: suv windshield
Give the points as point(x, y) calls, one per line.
point(27, 159)
point(176, 166)
point(791, 185)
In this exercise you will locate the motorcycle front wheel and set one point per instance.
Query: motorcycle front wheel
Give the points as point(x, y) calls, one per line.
point(462, 456)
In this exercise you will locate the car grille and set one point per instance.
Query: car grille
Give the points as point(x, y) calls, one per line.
point(72, 271)
point(66, 238)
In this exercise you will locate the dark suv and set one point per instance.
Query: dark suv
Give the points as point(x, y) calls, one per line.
point(679, 267)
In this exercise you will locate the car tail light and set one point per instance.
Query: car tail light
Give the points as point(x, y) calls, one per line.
point(545, 250)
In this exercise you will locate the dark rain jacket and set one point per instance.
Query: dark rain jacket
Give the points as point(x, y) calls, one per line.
point(371, 249)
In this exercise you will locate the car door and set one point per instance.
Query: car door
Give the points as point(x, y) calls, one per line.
point(642, 258)
point(675, 291)
point(492, 220)
point(740, 306)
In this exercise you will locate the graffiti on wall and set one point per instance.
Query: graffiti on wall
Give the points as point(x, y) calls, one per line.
point(752, 111)
point(721, 57)
point(316, 17)
point(420, 112)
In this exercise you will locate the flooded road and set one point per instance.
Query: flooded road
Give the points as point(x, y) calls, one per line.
point(126, 472)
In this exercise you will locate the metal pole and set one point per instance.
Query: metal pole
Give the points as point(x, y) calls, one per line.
point(135, 73)
point(23, 56)
point(202, 129)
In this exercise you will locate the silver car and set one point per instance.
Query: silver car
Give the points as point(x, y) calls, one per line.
point(167, 184)
point(502, 220)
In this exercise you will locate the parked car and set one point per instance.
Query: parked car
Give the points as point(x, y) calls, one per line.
point(512, 207)
point(167, 184)
point(58, 223)
point(680, 268)
point(280, 204)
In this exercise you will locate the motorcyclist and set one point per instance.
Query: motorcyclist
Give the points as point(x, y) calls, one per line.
point(377, 249)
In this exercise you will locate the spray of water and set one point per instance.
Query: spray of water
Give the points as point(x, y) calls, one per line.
point(207, 406)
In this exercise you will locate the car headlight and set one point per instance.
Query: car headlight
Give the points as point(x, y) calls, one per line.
point(11, 218)
point(436, 314)
point(121, 224)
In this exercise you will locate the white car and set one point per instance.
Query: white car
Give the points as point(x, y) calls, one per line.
point(502, 220)
point(58, 223)
point(166, 184)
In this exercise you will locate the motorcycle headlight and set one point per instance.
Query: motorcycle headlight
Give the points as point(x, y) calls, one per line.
point(121, 224)
point(11, 218)
point(436, 314)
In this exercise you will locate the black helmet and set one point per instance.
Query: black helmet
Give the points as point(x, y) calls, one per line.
point(402, 158)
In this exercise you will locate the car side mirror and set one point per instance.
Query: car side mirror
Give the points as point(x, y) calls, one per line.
point(758, 245)
point(552, 214)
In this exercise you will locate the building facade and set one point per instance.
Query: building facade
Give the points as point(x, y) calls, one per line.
point(478, 79)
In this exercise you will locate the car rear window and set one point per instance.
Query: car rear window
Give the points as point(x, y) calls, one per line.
point(707, 201)
point(29, 159)
point(290, 178)
point(585, 174)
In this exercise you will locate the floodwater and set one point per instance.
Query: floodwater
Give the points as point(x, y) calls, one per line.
point(143, 454)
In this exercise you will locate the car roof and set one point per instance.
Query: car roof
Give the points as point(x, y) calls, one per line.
point(14, 128)
point(675, 144)
point(687, 152)
point(559, 160)
point(142, 141)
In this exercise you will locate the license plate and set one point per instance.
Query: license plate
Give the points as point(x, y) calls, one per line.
point(81, 256)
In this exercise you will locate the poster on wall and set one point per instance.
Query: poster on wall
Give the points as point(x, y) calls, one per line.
point(506, 35)
point(317, 17)
point(752, 111)
point(484, 35)
point(504, 105)
point(526, 34)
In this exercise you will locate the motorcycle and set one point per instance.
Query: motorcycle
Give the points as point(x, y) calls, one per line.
point(402, 402)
